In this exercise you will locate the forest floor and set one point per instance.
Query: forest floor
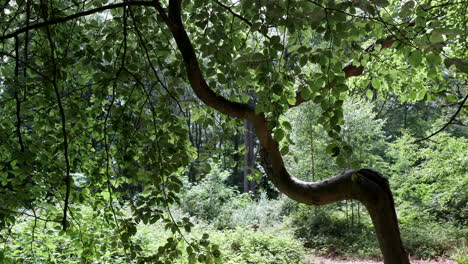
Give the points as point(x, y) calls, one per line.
point(322, 260)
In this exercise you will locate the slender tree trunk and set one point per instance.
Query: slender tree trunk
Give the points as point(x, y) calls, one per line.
point(237, 175)
point(249, 157)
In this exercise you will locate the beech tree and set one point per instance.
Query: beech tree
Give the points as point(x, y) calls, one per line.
point(95, 88)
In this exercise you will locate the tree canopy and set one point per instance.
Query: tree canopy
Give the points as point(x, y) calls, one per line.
point(95, 95)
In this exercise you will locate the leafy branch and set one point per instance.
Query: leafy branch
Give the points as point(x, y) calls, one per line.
point(74, 16)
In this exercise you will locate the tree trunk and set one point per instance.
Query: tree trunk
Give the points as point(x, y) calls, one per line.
point(367, 186)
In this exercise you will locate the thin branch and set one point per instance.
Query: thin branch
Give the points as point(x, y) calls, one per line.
point(64, 130)
point(349, 14)
point(30, 215)
point(350, 69)
point(18, 101)
point(107, 144)
point(155, 72)
point(447, 124)
point(74, 16)
point(439, 6)
point(245, 20)
point(25, 64)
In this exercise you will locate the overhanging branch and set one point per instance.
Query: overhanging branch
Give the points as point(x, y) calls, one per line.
point(446, 124)
point(173, 21)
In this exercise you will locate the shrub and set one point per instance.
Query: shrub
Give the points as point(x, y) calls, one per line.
point(206, 199)
point(424, 238)
point(242, 245)
point(263, 213)
point(246, 246)
point(212, 201)
point(331, 234)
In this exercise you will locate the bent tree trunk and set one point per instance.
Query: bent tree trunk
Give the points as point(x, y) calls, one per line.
point(371, 189)
point(367, 186)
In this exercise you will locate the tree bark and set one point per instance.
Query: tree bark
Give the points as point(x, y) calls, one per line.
point(367, 186)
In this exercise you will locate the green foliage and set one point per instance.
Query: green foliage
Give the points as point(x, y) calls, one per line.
point(426, 238)
point(362, 141)
point(432, 177)
point(95, 113)
point(245, 246)
point(331, 233)
point(211, 200)
point(36, 241)
point(262, 212)
point(208, 199)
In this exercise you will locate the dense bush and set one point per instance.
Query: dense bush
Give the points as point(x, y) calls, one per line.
point(246, 246)
point(425, 238)
point(207, 199)
point(262, 212)
point(236, 246)
point(212, 201)
point(42, 242)
point(432, 177)
point(330, 233)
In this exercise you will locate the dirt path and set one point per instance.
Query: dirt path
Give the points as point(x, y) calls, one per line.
point(321, 260)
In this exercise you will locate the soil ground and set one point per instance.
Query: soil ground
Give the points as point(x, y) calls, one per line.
point(321, 260)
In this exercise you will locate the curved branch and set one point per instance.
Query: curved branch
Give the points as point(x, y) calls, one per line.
point(200, 87)
point(446, 124)
point(366, 186)
point(245, 20)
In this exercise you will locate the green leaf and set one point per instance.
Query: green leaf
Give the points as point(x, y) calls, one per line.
point(341, 161)
point(434, 59)
point(369, 94)
point(287, 125)
point(305, 92)
point(415, 58)
point(278, 135)
point(376, 83)
point(245, 98)
point(275, 40)
point(284, 150)
point(302, 49)
point(291, 100)
point(436, 36)
point(347, 150)
point(333, 149)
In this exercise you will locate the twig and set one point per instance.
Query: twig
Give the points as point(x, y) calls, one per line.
point(18, 101)
point(64, 130)
point(30, 215)
point(145, 48)
point(447, 124)
point(245, 20)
